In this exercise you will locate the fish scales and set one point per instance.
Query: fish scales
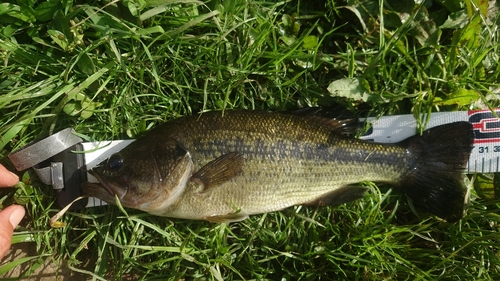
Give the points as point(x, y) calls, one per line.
point(223, 167)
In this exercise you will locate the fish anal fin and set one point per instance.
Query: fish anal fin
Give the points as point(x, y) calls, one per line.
point(339, 196)
point(218, 171)
point(232, 217)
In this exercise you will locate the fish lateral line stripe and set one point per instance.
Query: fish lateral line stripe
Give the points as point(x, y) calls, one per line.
point(292, 149)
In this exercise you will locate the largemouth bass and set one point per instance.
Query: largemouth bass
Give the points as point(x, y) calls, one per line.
point(223, 167)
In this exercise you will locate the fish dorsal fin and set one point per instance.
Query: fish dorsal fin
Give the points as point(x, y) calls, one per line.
point(333, 118)
point(232, 217)
point(348, 127)
point(339, 196)
point(218, 171)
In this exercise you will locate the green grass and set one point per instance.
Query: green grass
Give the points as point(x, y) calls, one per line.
point(113, 70)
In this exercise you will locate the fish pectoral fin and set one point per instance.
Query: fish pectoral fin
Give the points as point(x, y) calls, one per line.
point(339, 196)
point(218, 171)
point(232, 217)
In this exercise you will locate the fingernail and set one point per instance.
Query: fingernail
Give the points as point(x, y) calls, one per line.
point(14, 175)
point(16, 216)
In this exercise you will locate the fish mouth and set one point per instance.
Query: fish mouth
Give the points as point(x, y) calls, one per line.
point(110, 190)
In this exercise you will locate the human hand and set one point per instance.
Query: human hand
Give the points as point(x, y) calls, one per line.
point(10, 216)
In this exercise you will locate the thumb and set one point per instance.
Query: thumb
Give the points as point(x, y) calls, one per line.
point(9, 219)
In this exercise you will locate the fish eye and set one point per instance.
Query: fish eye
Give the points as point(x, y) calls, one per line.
point(115, 162)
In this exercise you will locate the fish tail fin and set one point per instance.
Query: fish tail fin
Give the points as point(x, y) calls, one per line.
point(434, 179)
